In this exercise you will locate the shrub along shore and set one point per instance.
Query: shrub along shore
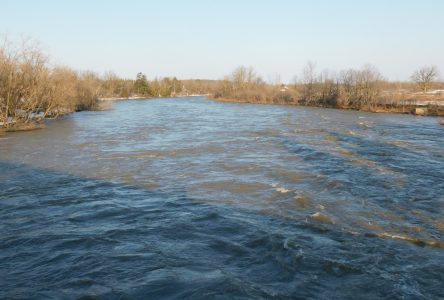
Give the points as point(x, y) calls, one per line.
point(31, 89)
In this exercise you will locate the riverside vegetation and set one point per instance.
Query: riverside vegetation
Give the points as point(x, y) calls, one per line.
point(31, 89)
point(358, 89)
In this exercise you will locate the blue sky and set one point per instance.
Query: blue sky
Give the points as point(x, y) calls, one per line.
point(208, 39)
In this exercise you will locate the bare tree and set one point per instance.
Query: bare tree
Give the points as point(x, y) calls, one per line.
point(309, 80)
point(241, 76)
point(30, 89)
point(110, 86)
point(424, 77)
point(347, 83)
point(23, 81)
point(369, 80)
point(328, 89)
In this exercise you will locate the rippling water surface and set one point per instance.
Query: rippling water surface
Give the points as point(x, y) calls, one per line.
point(188, 198)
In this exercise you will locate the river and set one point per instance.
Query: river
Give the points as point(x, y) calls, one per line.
point(190, 198)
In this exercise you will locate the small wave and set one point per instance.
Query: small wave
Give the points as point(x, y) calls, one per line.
point(236, 188)
point(282, 190)
point(143, 156)
point(137, 156)
point(351, 132)
point(322, 218)
point(331, 138)
point(303, 201)
point(412, 240)
point(365, 125)
point(341, 267)
point(112, 158)
point(345, 152)
point(151, 185)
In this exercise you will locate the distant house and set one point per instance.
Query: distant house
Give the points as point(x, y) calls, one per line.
point(436, 92)
point(283, 88)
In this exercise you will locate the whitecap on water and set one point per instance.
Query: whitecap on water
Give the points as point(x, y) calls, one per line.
point(322, 218)
point(351, 132)
point(282, 190)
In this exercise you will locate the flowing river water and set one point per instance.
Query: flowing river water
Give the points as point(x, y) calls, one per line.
point(189, 198)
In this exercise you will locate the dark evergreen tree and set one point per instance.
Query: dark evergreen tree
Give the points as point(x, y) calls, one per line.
point(141, 85)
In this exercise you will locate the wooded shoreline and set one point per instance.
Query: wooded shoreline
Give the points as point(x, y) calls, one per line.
point(32, 89)
point(353, 89)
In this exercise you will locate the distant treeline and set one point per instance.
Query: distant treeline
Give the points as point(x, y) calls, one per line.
point(32, 89)
point(359, 89)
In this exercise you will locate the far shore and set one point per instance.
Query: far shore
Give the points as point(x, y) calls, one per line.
point(121, 98)
point(148, 97)
point(418, 109)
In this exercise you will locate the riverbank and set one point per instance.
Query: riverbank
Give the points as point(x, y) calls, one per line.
point(414, 109)
point(23, 127)
point(121, 98)
point(38, 122)
point(150, 97)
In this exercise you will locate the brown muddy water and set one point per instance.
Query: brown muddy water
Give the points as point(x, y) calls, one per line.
point(189, 198)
